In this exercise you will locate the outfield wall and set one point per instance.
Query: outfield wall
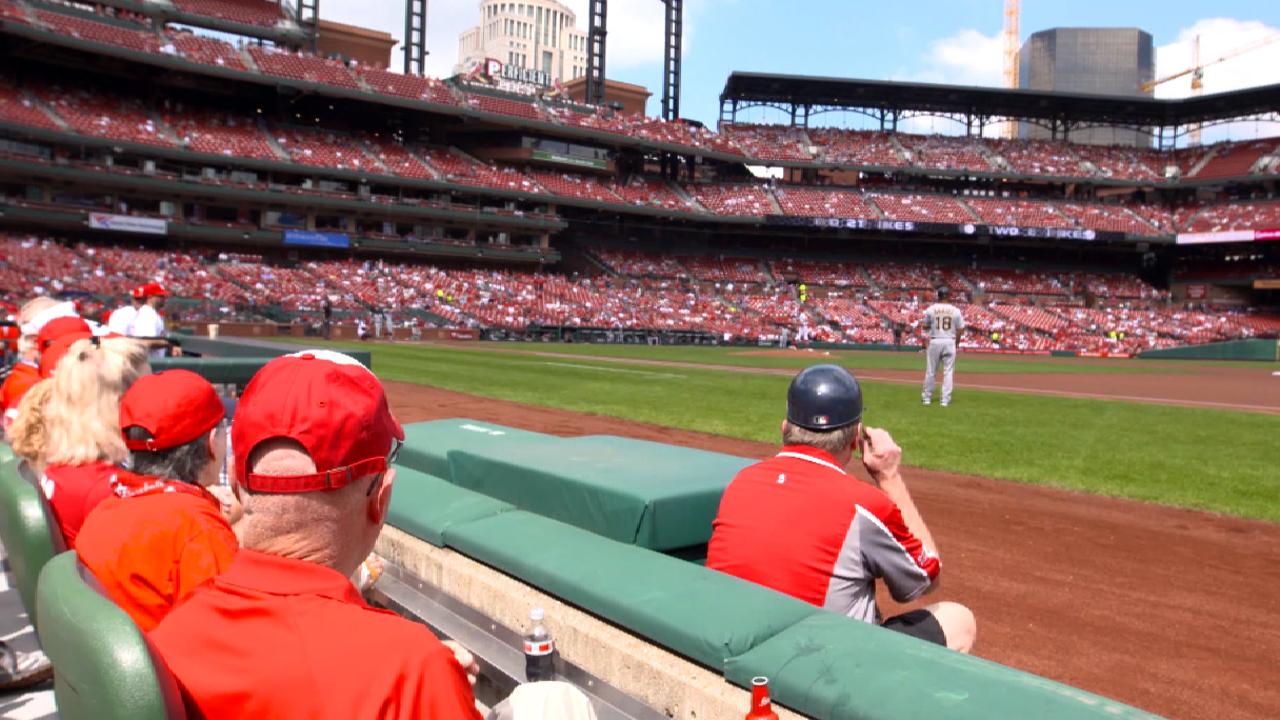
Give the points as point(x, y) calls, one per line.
point(1260, 350)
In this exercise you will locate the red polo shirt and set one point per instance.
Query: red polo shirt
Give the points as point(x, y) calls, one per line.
point(154, 542)
point(798, 523)
point(73, 491)
point(278, 638)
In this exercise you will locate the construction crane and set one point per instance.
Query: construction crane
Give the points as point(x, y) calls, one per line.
point(1012, 12)
point(1196, 71)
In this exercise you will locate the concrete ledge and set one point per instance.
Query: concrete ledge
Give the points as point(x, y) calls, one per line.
point(665, 681)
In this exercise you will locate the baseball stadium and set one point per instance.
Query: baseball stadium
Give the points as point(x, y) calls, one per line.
point(579, 325)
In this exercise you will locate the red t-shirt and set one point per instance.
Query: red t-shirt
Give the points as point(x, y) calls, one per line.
point(798, 523)
point(272, 637)
point(21, 378)
point(153, 542)
point(73, 491)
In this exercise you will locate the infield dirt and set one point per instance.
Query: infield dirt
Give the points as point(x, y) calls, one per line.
point(1171, 610)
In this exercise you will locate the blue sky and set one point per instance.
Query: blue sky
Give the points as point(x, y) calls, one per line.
point(939, 40)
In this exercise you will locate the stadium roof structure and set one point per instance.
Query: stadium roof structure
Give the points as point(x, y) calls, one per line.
point(889, 100)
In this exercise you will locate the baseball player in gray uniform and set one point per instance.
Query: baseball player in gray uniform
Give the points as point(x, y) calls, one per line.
point(943, 322)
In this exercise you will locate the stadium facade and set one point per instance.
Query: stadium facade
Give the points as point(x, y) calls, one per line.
point(1089, 61)
point(537, 35)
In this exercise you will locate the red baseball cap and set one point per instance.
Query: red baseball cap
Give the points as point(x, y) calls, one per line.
point(59, 327)
point(52, 355)
point(175, 406)
point(139, 292)
point(154, 289)
point(330, 404)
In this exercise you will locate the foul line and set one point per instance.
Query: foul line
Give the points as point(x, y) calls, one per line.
point(614, 370)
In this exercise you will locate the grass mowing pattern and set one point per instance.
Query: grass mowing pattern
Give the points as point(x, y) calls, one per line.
point(860, 359)
point(1206, 459)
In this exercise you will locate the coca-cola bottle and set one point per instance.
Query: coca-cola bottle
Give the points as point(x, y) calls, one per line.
point(761, 706)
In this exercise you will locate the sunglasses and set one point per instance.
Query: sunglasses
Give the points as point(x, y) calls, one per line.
point(396, 444)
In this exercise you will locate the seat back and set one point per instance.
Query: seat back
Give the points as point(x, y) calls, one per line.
point(103, 666)
point(24, 530)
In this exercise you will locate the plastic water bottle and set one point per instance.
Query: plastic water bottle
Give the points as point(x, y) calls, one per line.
point(761, 705)
point(539, 650)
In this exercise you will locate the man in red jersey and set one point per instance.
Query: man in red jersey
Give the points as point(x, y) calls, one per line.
point(283, 632)
point(162, 533)
point(802, 525)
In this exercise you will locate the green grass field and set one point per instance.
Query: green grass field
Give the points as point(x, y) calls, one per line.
point(1206, 459)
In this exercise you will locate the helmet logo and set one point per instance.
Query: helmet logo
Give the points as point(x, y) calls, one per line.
point(820, 419)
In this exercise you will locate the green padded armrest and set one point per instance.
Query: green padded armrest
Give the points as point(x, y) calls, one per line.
point(426, 506)
point(427, 444)
point(650, 494)
point(702, 614)
point(835, 668)
point(103, 668)
point(24, 530)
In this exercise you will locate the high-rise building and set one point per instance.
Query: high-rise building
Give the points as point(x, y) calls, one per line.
point(1090, 61)
point(530, 35)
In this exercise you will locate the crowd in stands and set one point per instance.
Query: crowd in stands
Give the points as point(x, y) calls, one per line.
point(170, 124)
point(762, 142)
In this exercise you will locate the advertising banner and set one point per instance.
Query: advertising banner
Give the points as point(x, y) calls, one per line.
point(128, 223)
point(316, 239)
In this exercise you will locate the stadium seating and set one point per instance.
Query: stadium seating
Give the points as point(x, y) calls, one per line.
point(945, 152)
point(1025, 213)
point(1230, 216)
point(823, 202)
point(216, 134)
point(921, 208)
point(852, 147)
point(398, 159)
point(1234, 159)
point(1114, 218)
point(462, 169)
point(17, 108)
point(413, 87)
point(584, 187)
point(1123, 163)
point(112, 34)
point(296, 66)
point(323, 149)
point(1039, 157)
point(820, 272)
point(769, 142)
point(207, 51)
point(91, 113)
point(732, 199)
point(512, 106)
point(249, 12)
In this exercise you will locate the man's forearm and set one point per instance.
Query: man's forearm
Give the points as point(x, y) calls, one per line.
point(896, 489)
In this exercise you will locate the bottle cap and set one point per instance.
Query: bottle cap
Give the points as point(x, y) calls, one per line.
point(536, 614)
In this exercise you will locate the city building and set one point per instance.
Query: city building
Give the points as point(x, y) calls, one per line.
point(539, 37)
point(1090, 61)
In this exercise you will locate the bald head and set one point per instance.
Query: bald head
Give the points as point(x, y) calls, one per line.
point(336, 528)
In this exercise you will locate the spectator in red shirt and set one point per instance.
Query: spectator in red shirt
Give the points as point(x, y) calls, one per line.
point(83, 443)
point(26, 372)
point(283, 632)
point(162, 533)
point(802, 525)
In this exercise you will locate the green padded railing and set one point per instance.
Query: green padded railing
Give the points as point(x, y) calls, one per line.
point(219, 371)
point(24, 530)
point(427, 444)
point(250, 348)
point(819, 663)
point(103, 668)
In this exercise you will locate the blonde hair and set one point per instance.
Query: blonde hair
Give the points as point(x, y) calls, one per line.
point(82, 415)
point(28, 435)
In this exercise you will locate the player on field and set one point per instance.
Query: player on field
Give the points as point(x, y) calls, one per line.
point(943, 322)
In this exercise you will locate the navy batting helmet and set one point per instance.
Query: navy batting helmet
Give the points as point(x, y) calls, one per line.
point(944, 292)
point(824, 397)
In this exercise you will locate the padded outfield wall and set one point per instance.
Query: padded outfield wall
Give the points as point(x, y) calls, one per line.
point(1262, 350)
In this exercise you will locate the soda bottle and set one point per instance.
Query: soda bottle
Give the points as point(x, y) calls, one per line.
point(539, 650)
point(761, 706)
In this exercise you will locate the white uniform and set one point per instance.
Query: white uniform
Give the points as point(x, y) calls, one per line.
point(121, 318)
point(804, 333)
point(943, 321)
point(148, 324)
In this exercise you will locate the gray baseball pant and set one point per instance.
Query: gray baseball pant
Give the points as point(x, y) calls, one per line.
point(940, 352)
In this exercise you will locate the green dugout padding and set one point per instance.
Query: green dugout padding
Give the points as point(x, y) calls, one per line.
point(24, 531)
point(701, 614)
point(427, 444)
point(219, 371)
point(649, 494)
point(830, 667)
point(103, 667)
point(251, 348)
point(1262, 350)
point(426, 506)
